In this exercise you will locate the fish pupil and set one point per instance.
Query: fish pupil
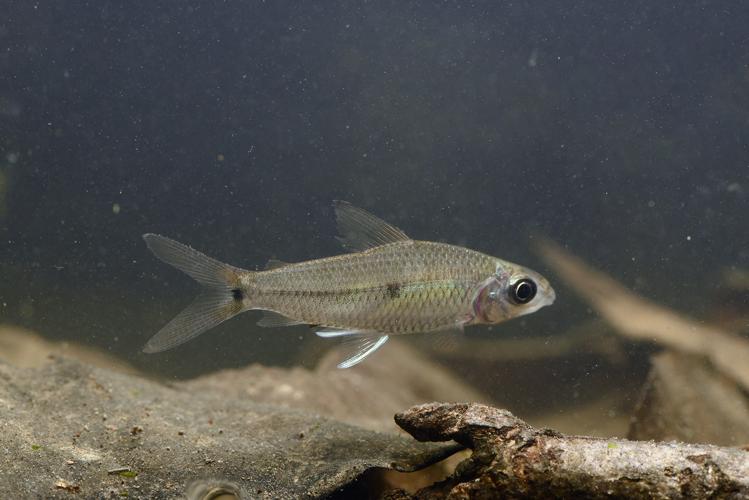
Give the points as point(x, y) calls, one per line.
point(523, 291)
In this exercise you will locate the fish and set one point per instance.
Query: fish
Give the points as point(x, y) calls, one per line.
point(387, 284)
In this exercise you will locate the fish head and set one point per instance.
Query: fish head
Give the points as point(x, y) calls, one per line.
point(510, 292)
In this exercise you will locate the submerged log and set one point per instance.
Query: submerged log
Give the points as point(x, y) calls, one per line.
point(687, 399)
point(510, 458)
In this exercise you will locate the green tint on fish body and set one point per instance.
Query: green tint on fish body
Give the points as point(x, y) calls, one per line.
point(402, 287)
point(391, 285)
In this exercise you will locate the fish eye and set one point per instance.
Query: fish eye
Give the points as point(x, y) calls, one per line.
point(522, 291)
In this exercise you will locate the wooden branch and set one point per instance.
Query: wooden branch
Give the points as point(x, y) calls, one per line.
point(635, 317)
point(512, 459)
point(687, 399)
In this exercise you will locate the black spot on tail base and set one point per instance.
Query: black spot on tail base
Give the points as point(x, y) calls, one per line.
point(394, 290)
point(237, 294)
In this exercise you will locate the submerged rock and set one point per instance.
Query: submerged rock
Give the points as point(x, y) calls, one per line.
point(367, 395)
point(70, 429)
point(27, 349)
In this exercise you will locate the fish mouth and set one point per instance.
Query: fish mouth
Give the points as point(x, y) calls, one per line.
point(551, 296)
point(546, 297)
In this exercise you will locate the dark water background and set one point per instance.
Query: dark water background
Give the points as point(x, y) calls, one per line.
point(620, 129)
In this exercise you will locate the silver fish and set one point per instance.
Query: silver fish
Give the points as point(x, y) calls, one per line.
point(389, 285)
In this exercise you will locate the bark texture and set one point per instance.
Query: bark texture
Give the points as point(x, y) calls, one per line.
point(512, 459)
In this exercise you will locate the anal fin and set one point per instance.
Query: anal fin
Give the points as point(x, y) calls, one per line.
point(357, 345)
point(273, 319)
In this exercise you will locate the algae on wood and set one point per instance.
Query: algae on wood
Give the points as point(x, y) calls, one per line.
point(511, 459)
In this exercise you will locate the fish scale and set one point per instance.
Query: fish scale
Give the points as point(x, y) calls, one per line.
point(403, 287)
point(389, 285)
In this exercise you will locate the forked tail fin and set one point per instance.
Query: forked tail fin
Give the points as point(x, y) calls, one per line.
point(222, 296)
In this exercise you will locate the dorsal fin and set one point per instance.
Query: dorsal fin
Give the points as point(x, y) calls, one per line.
point(274, 264)
point(359, 230)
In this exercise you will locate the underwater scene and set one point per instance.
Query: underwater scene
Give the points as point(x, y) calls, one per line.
point(374, 249)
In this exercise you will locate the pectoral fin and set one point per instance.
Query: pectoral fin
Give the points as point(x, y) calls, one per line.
point(446, 338)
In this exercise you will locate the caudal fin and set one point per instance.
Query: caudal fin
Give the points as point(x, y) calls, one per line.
point(221, 298)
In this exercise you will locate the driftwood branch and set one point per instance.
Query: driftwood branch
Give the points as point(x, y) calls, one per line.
point(637, 318)
point(686, 399)
point(511, 458)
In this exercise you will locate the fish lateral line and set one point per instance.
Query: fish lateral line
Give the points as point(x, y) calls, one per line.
point(407, 286)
